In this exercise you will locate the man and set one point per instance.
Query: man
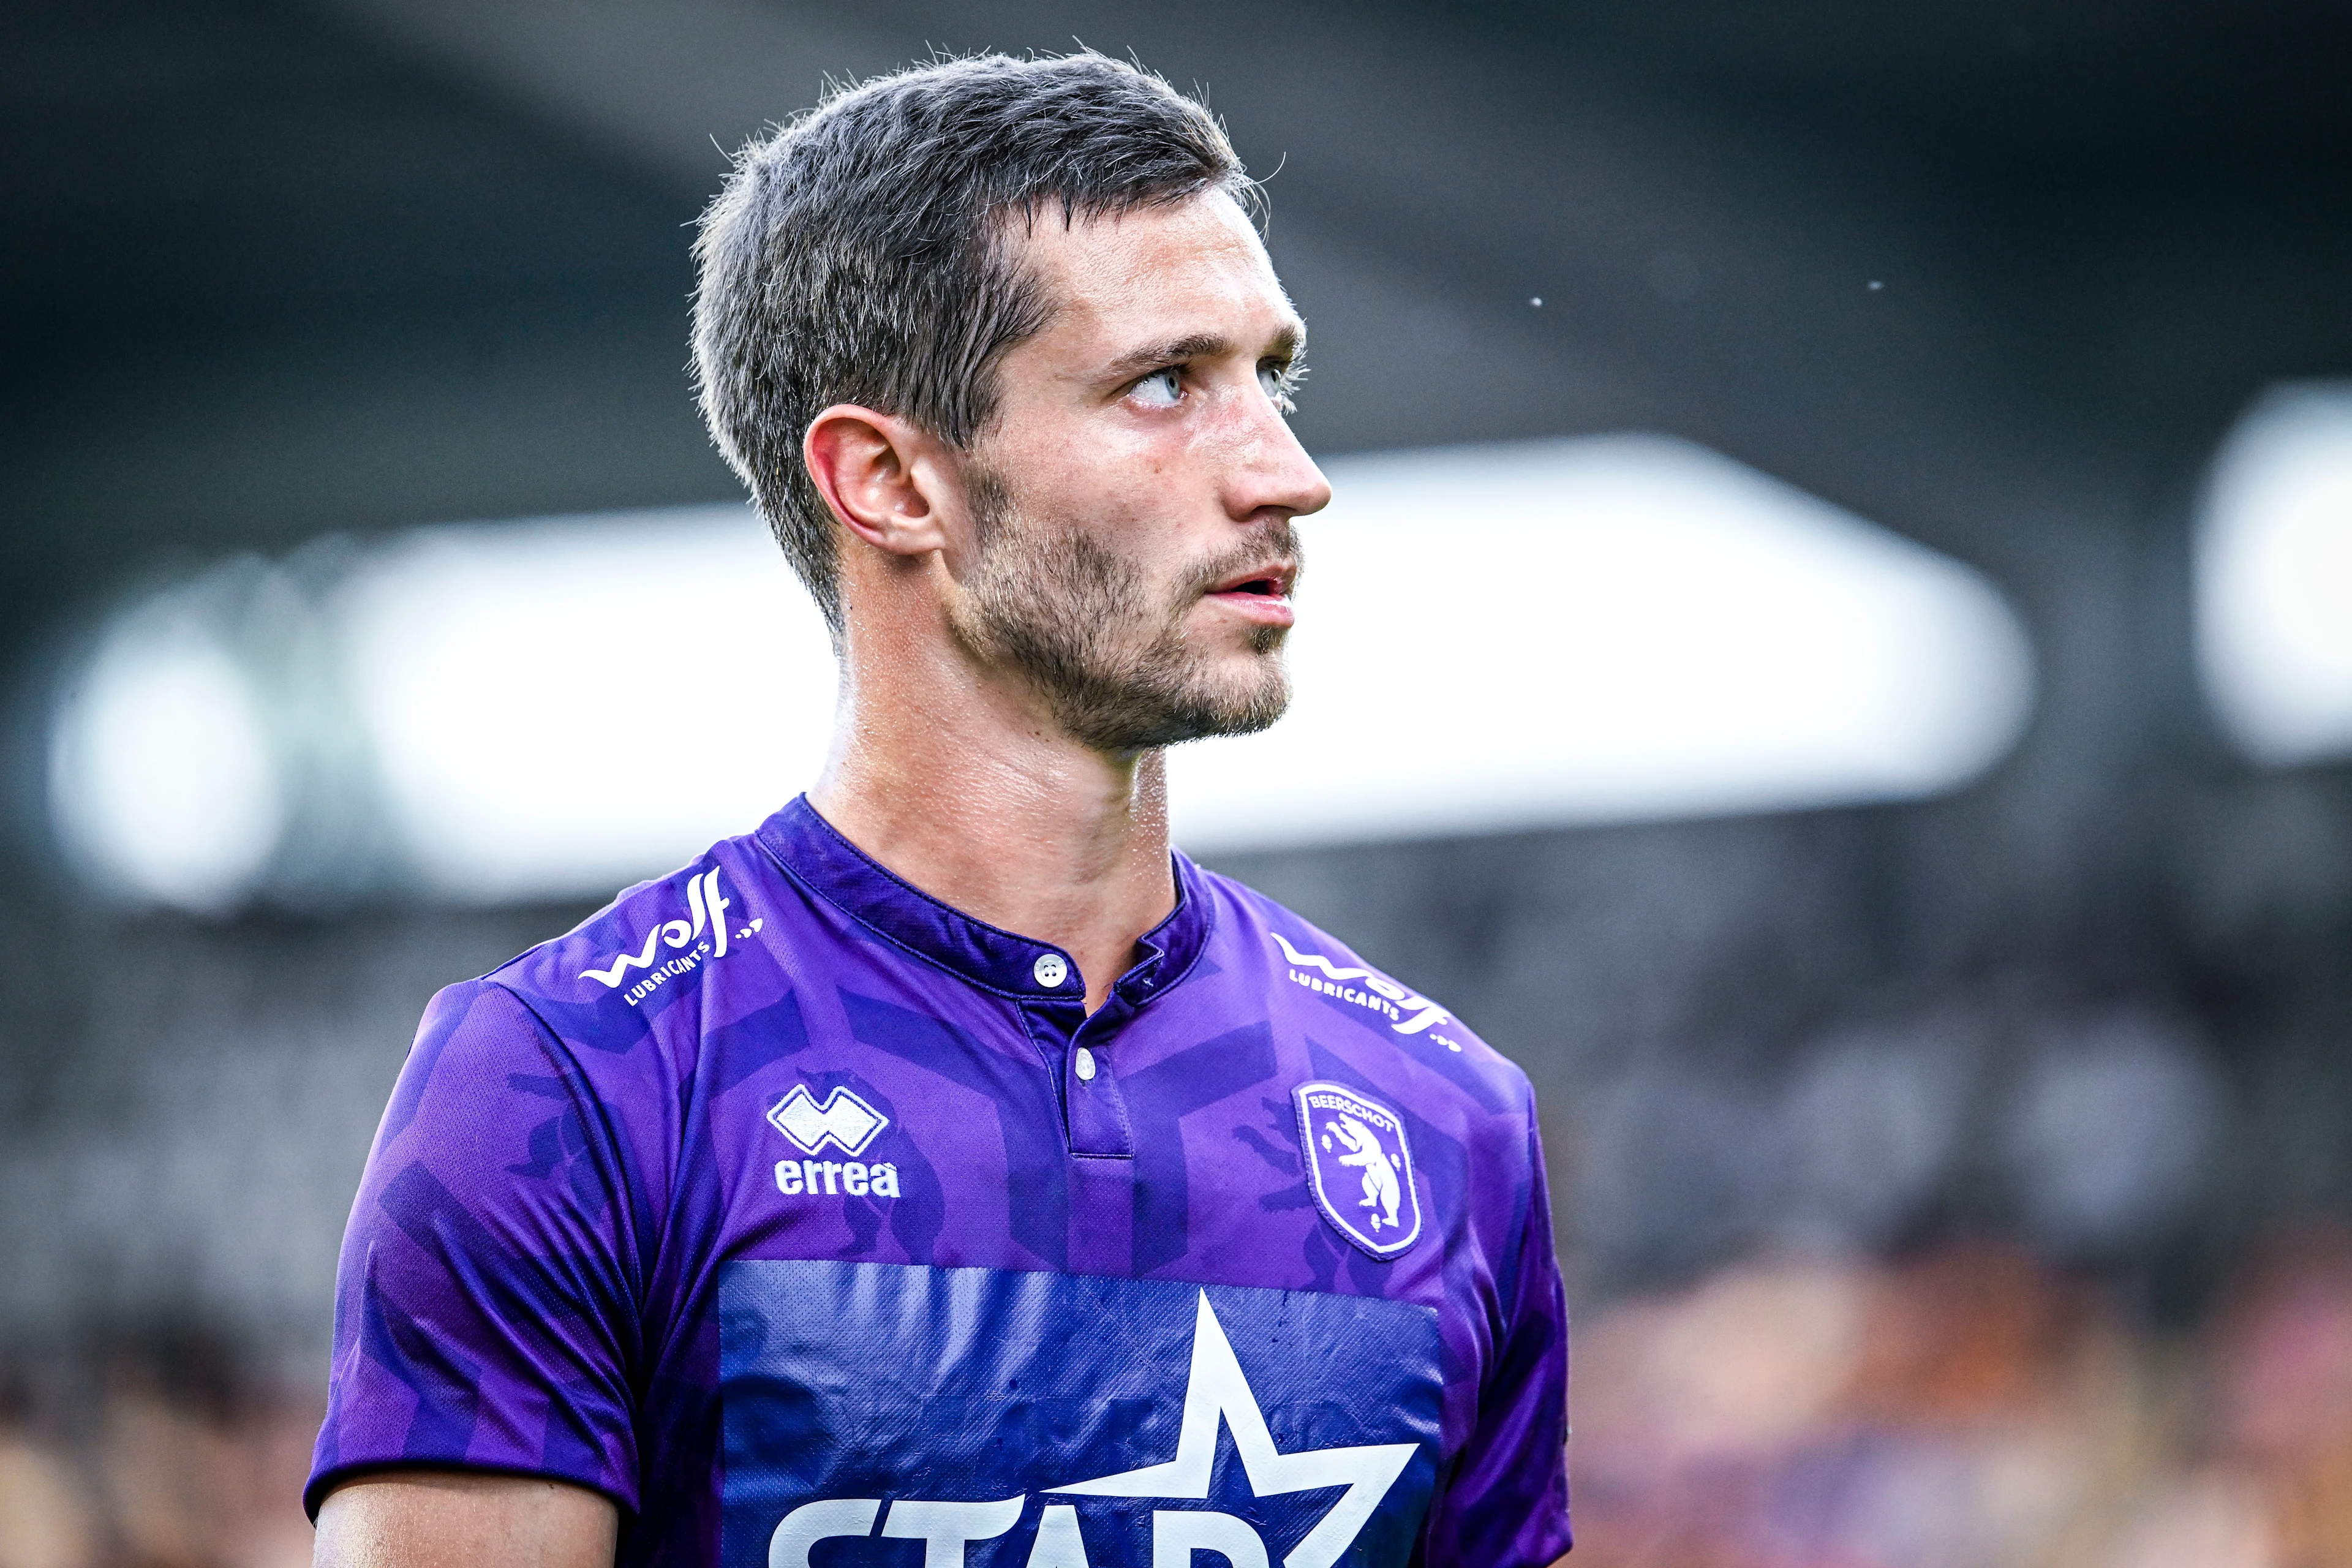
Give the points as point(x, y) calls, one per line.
point(945, 1172)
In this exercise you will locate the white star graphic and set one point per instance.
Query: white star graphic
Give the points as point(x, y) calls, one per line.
point(1217, 1388)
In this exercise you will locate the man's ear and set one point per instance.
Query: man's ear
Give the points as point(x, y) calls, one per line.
point(890, 481)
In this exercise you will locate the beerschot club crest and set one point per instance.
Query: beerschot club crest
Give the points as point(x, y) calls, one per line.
point(1360, 1167)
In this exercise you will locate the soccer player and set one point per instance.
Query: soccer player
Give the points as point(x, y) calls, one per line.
point(946, 1172)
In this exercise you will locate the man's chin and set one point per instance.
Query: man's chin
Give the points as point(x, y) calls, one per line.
point(1140, 721)
point(1239, 710)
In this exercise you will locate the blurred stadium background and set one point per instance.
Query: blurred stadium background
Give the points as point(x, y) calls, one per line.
point(1929, 931)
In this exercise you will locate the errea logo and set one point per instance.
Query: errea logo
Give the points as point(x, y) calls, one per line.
point(847, 1123)
point(844, 1120)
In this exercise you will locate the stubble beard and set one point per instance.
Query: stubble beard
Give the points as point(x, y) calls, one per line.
point(1081, 624)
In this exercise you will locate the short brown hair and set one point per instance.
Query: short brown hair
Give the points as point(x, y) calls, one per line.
point(855, 256)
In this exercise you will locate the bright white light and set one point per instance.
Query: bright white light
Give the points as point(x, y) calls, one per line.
point(1603, 630)
point(161, 776)
point(1552, 633)
point(2274, 577)
point(562, 707)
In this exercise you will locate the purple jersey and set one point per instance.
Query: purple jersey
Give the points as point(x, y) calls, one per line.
point(815, 1223)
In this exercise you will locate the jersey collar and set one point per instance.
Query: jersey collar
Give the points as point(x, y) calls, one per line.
point(816, 855)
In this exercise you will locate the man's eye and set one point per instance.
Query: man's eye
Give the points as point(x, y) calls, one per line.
point(1160, 389)
point(1279, 384)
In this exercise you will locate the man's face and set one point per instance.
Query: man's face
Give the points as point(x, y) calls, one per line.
point(1132, 498)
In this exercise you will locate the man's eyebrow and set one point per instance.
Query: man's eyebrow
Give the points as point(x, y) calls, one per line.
point(1200, 345)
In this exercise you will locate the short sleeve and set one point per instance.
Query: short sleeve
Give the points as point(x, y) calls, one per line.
point(486, 1303)
point(1505, 1504)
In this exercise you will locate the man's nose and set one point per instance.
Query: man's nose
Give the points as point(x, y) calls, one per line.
point(1273, 471)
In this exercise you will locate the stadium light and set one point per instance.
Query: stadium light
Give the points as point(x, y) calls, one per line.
point(562, 707)
point(2274, 577)
point(161, 775)
point(1605, 630)
point(1550, 633)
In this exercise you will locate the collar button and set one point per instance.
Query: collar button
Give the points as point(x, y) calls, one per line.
point(1051, 970)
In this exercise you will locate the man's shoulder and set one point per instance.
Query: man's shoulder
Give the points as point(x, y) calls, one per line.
point(604, 979)
point(1314, 970)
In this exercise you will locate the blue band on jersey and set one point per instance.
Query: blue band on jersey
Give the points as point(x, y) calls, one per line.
point(1059, 1421)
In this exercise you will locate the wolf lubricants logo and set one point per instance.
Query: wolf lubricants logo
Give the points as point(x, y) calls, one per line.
point(1407, 1012)
point(701, 937)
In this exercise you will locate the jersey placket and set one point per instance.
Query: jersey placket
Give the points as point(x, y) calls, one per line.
point(1096, 1128)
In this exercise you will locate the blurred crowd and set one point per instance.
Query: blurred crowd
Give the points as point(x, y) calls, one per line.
point(1970, 1408)
point(161, 1451)
point(1967, 1409)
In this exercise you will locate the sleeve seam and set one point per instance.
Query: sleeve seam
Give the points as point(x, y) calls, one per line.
point(345, 1473)
point(1509, 1311)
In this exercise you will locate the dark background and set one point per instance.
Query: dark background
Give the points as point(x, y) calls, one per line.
point(1998, 277)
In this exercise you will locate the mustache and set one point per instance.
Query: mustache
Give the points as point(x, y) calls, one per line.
point(1277, 546)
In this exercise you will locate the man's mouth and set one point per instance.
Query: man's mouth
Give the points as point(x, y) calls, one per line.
point(1270, 581)
point(1261, 594)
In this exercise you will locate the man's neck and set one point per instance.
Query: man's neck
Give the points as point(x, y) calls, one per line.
point(965, 787)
